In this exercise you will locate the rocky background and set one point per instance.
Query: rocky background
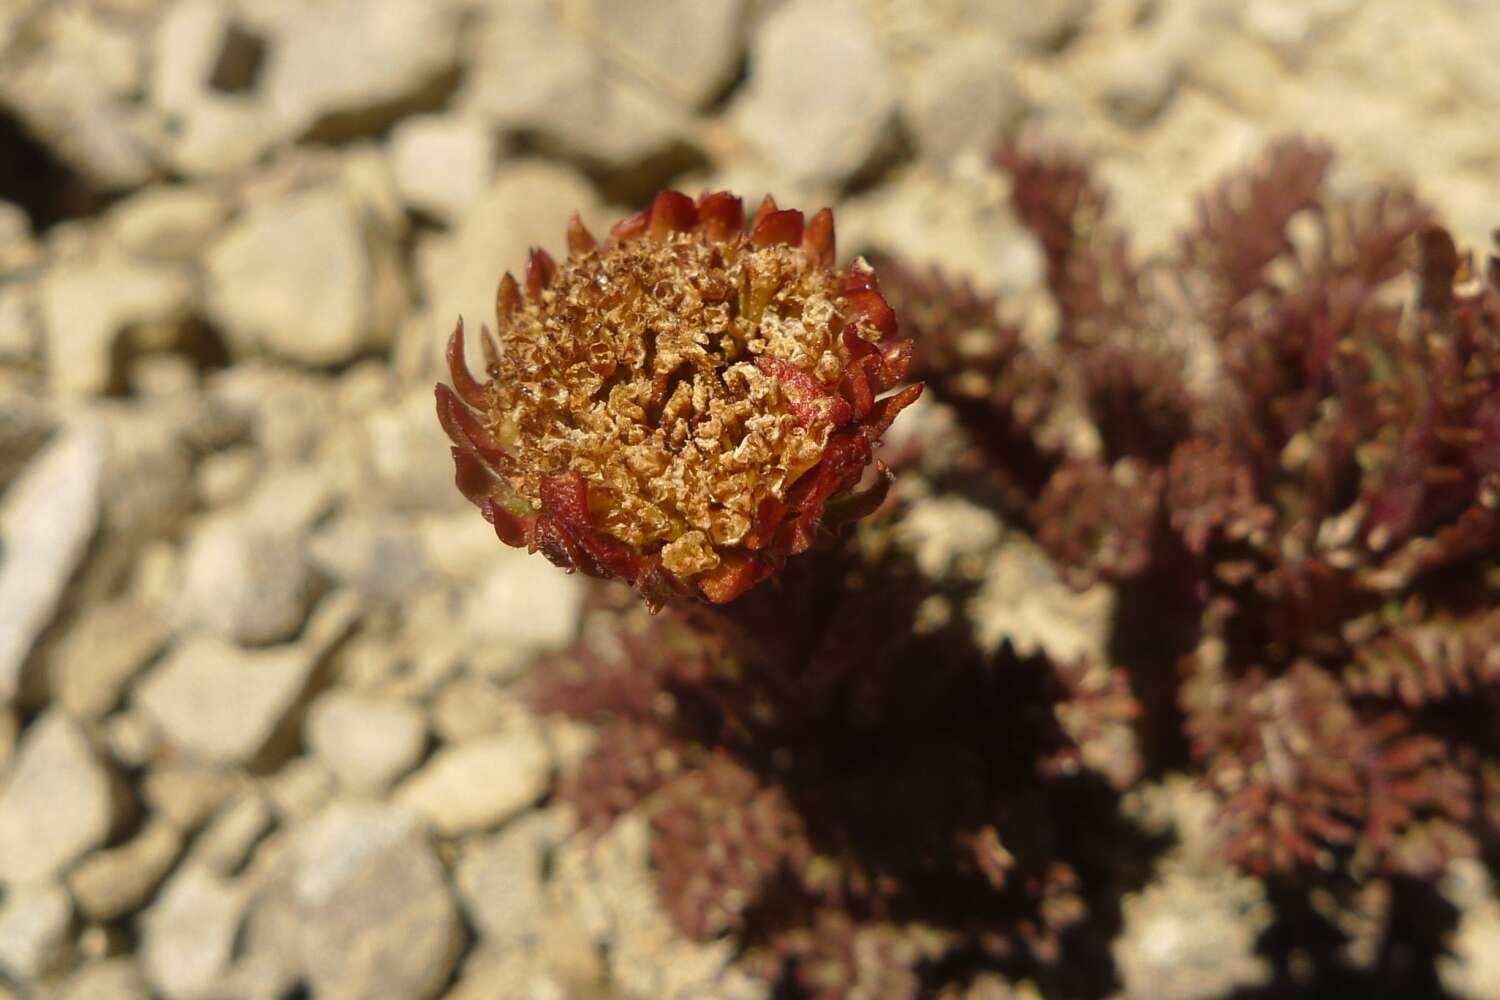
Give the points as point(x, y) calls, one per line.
point(259, 729)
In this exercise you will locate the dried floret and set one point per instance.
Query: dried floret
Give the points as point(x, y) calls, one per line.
point(677, 405)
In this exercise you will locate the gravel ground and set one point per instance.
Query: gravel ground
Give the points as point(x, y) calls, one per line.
point(259, 729)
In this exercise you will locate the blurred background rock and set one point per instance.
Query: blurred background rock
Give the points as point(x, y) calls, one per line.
point(258, 722)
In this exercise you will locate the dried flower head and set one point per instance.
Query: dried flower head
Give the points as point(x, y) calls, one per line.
point(683, 404)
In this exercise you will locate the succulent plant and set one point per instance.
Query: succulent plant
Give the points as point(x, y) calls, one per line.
point(683, 404)
point(1291, 491)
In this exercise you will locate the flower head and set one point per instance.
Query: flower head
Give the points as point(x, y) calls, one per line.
point(682, 404)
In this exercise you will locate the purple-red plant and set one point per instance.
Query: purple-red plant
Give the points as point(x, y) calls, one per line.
point(1291, 483)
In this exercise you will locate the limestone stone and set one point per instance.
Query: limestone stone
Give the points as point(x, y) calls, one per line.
point(225, 844)
point(222, 704)
point(97, 658)
point(109, 884)
point(376, 915)
point(244, 583)
point(167, 222)
point(34, 921)
point(372, 554)
point(185, 794)
point(963, 97)
point(57, 803)
point(646, 36)
point(304, 277)
point(524, 604)
point(499, 880)
point(820, 100)
point(368, 741)
point(526, 76)
point(442, 163)
point(109, 979)
point(479, 784)
point(88, 305)
point(1190, 935)
point(46, 521)
point(357, 59)
point(188, 933)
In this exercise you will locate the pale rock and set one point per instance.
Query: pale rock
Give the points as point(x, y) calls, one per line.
point(246, 572)
point(964, 96)
point(10, 729)
point(479, 784)
point(147, 484)
point(1037, 26)
point(499, 880)
point(64, 94)
point(19, 249)
point(457, 548)
point(225, 477)
point(301, 787)
point(442, 163)
point(646, 37)
point(367, 741)
point(532, 72)
point(185, 48)
point(34, 920)
point(96, 659)
point(88, 305)
point(1191, 145)
point(946, 533)
point(47, 518)
point(186, 794)
point(110, 884)
point(376, 915)
point(20, 318)
point(58, 802)
point(188, 934)
point(469, 706)
point(207, 131)
point(1470, 968)
point(171, 223)
point(1136, 78)
point(243, 583)
point(1287, 26)
point(110, 48)
point(26, 425)
point(370, 663)
point(344, 65)
point(225, 844)
point(132, 737)
point(571, 742)
point(819, 102)
point(510, 972)
point(222, 137)
point(524, 603)
point(297, 277)
point(108, 979)
point(1024, 602)
point(604, 891)
point(409, 459)
point(167, 380)
point(221, 704)
point(957, 217)
point(376, 556)
point(1191, 934)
